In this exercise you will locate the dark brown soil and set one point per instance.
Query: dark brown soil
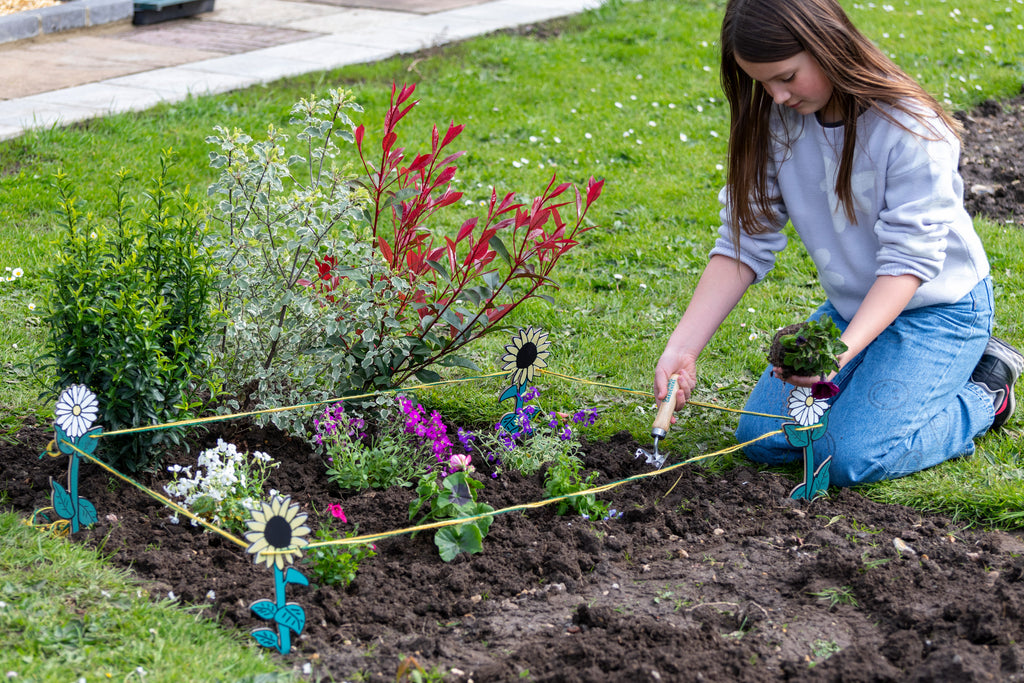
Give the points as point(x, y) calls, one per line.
point(706, 577)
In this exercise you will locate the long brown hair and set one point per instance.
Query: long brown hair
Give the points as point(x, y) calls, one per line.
point(862, 78)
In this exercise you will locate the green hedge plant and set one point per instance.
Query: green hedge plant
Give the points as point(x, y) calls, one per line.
point(129, 312)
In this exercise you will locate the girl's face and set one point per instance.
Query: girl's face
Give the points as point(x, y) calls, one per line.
point(797, 82)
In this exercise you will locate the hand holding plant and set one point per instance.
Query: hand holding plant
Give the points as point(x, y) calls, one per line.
point(809, 349)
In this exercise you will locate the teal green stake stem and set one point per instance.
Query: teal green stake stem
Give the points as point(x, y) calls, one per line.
point(815, 480)
point(289, 616)
point(68, 504)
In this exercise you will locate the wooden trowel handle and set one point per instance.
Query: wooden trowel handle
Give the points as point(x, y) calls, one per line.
point(663, 420)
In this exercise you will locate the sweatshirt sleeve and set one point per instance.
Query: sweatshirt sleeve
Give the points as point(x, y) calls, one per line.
point(755, 251)
point(923, 198)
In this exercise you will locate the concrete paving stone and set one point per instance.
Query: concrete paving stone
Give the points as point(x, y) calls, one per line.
point(30, 114)
point(349, 22)
point(62, 17)
point(519, 12)
point(277, 13)
point(108, 11)
point(82, 59)
point(212, 36)
point(101, 98)
point(177, 83)
point(415, 6)
point(450, 26)
point(18, 27)
point(8, 132)
point(324, 54)
point(257, 65)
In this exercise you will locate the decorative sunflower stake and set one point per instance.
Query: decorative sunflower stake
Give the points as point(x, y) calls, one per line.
point(808, 411)
point(276, 537)
point(523, 358)
point(74, 416)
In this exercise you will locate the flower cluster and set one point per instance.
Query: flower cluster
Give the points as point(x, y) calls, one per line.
point(11, 274)
point(333, 422)
point(433, 435)
point(226, 486)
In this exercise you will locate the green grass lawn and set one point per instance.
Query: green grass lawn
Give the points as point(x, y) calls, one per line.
point(628, 93)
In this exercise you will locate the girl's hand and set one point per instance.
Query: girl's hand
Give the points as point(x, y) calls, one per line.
point(685, 367)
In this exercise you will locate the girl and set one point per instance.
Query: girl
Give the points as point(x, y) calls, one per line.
point(828, 133)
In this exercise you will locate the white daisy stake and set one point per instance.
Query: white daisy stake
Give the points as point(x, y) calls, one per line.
point(523, 358)
point(811, 421)
point(74, 416)
point(276, 537)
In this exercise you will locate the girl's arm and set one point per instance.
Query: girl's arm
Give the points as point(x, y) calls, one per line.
point(720, 288)
point(884, 302)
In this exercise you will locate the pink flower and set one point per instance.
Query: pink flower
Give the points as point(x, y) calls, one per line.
point(336, 511)
point(460, 461)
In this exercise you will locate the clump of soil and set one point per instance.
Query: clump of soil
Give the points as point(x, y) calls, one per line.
point(992, 161)
point(706, 576)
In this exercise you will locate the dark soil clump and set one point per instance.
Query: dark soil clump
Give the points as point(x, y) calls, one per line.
point(714, 577)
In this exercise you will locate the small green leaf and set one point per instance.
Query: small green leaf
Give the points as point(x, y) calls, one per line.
point(295, 576)
point(266, 637)
point(62, 503)
point(499, 246)
point(86, 512)
point(264, 609)
point(291, 616)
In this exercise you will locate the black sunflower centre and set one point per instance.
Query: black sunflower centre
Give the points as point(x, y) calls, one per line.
point(526, 355)
point(279, 532)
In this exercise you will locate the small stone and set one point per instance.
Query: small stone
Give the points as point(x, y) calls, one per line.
point(718, 532)
point(475, 599)
point(902, 547)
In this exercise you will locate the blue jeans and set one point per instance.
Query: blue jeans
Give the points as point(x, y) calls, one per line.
point(906, 402)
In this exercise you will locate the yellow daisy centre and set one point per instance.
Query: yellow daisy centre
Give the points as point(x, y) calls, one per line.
point(76, 410)
point(809, 401)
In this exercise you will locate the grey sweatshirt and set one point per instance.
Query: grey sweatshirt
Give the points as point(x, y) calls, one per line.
point(910, 217)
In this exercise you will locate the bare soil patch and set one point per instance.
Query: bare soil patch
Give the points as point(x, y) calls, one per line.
point(714, 577)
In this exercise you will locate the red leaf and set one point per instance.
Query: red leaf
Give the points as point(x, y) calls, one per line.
point(594, 190)
point(385, 249)
point(447, 199)
point(560, 189)
point(453, 132)
point(466, 229)
point(418, 163)
point(407, 91)
point(360, 132)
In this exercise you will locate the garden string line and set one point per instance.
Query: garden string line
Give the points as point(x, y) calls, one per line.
point(370, 538)
point(413, 388)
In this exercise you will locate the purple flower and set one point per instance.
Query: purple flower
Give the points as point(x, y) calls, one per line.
point(566, 434)
point(824, 390)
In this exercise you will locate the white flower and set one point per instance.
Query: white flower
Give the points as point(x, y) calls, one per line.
point(210, 595)
point(31, 306)
point(17, 272)
point(804, 408)
point(76, 410)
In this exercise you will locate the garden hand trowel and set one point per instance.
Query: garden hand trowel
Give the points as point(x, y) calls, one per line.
point(662, 423)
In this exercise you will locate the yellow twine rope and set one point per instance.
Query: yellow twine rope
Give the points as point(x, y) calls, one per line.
point(370, 538)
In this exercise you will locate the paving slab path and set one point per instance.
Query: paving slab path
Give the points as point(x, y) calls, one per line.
point(61, 78)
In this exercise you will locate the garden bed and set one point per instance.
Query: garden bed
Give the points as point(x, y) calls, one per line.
point(706, 575)
point(716, 575)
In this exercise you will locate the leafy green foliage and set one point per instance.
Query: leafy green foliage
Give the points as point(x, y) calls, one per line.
point(129, 315)
point(332, 565)
point(335, 284)
point(808, 349)
point(564, 478)
point(358, 461)
point(453, 498)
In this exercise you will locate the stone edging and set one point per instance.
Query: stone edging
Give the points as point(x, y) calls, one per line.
point(63, 17)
